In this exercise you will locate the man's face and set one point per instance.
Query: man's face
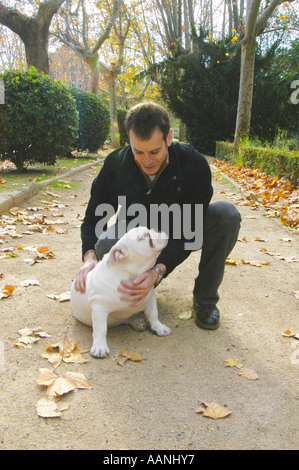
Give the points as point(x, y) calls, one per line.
point(151, 153)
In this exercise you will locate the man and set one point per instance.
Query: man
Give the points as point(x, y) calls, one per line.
point(149, 172)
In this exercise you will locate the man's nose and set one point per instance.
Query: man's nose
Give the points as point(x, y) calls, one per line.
point(147, 159)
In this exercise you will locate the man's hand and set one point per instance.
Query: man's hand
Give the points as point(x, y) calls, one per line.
point(136, 291)
point(90, 261)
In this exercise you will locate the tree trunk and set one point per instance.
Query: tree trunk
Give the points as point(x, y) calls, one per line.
point(182, 132)
point(35, 38)
point(33, 31)
point(93, 63)
point(18, 160)
point(248, 45)
point(115, 137)
point(245, 90)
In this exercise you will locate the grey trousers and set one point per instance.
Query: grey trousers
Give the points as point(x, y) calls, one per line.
point(221, 227)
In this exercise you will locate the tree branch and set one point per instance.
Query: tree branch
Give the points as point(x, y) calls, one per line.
point(13, 19)
point(262, 21)
point(108, 28)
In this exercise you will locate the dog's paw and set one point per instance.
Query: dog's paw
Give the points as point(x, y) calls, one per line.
point(161, 329)
point(99, 351)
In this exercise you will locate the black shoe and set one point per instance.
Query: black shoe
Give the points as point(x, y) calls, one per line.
point(207, 315)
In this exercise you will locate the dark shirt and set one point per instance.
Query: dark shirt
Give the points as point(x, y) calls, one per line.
point(186, 179)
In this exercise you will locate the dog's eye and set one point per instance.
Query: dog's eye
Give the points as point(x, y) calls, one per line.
point(143, 236)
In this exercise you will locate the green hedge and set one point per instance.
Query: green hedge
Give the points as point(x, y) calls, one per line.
point(38, 121)
point(274, 161)
point(94, 120)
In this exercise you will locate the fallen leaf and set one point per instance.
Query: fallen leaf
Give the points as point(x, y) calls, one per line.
point(255, 262)
point(31, 261)
point(67, 352)
point(65, 296)
point(7, 291)
point(288, 333)
point(30, 336)
point(30, 282)
point(57, 386)
point(65, 347)
point(248, 373)
point(244, 239)
point(230, 362)
point(50, 407)
point(44, 252)
point(268, 252)
point(213, 410)
point(126, 355)
point(232, 261)
point(185, 315)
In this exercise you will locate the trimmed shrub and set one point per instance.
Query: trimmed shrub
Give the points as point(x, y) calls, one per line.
point(94, 121)
point(272, 160)
point(38, 121)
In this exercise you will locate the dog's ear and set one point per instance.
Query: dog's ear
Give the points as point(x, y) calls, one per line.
point(117, 254)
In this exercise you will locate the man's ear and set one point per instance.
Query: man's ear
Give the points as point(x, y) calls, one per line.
point(169, 137)
point(118, 253)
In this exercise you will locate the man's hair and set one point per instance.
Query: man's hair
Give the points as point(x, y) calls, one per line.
point(144, 118)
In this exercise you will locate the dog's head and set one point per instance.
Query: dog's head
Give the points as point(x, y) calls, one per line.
point(140, 247)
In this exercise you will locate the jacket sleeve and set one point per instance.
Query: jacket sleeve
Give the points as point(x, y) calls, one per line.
point(99, 195)
point(197, 186)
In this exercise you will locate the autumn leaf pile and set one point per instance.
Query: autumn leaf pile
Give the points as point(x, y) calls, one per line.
point(275, 194)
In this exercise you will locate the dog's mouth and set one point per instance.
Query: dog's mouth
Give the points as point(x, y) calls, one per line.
point(150, 241)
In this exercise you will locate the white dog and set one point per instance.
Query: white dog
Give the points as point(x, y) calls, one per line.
point(100, 306)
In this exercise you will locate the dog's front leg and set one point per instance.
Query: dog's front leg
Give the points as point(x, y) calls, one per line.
point(99, 332)
point(151, 314)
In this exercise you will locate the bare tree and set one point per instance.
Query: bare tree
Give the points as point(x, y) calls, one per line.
point(76, 35)
point(33, 30)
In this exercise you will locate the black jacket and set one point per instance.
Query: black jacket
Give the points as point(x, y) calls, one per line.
point(185, 180)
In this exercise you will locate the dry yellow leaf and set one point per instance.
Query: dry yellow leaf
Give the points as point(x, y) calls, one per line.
point(185, 315)
point(255, 262)
point(232, 261)
point(248, 373)
point(44, 252)
point(213, 410)
point(65, 347)
point(133, 356)
point(126, 355)
point(30, 336)
point(230, 362)
point(287, 333)
point(57, 386)
point(67, 352)
point(65, 296)
point(30, 282)
point(50, 407)
point(7, 291)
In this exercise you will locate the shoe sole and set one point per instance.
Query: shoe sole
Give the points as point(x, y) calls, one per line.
point(206, 326)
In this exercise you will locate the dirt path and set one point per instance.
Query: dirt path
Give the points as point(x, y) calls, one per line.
point(150, 404)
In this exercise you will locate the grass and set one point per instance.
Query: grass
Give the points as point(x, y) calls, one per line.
point(39, 172)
